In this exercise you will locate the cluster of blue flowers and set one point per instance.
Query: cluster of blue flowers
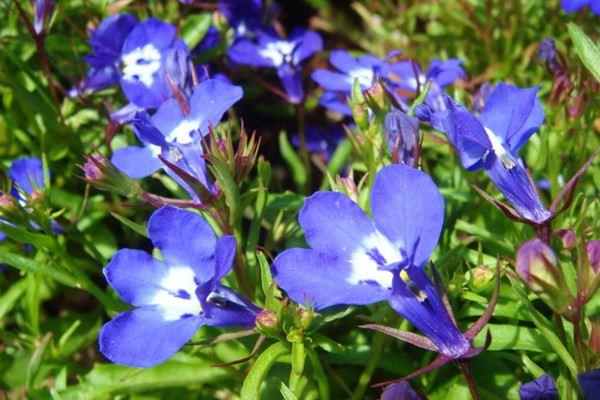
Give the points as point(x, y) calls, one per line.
point(355, 256)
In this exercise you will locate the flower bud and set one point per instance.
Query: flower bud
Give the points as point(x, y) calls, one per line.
point(537, 267)
point(103, 175)
point(266, 322)
point(481, 278)
point(401, 132)
point(306, 317)
point(567, 237)
point(360, 111)
point(593, 253)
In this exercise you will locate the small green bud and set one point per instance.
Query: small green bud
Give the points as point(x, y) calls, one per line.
point(481, 278)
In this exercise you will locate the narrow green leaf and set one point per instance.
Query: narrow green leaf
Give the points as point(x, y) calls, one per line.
point(585, 48)
point(258, 372)
point(286, 393)
point(28, 265)
point(194, 28)
point(142, 230)
point(293, 161)
point(10, 297)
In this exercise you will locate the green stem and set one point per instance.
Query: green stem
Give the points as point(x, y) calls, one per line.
point(377, 345)
point(298, 361)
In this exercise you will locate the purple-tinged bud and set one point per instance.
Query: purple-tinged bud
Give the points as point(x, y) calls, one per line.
point(359, 107)
point(306, 317)
point(103, 175)
point(43, 9)
point(266, 321)
point(423, 112)
point(567, 237)
point(402, 133)
point(481, 278)
point(8, 204)
point(593, 253)
point(537, 267)
point(399, 391)
point(90, 168)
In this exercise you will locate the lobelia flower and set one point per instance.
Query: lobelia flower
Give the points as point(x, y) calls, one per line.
point(134, 55)
point(571, 6)
point(590, 384)
point(285, 55)
point(244, 16)
point(107, 42)
point(27, 177)
point(407, 76)
point(548, 55)
point(176, 134)
point(509, 117)
point(338, 85)
point(541, 388)
point(174, 296)
point(353, 260)
point(321, 141)
point(144, 53)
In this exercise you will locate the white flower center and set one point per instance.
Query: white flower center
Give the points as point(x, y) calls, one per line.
point(504, 156)
point(182, 133)
point(376, 251)
point(141, 64)
point(278, 52)
point(177, 294)
point(364, 76)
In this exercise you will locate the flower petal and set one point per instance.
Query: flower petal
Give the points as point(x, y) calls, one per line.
point(27, 174)
point(245, 52)
point(227, 308)
point(210, 100)
point(185, 240)
point(408, 209)
point(308, 43)
point(224, 255)
point(513, 114)
point(516, 185)
point(136, 162)
point(291, 79)
point(135, 275)
point(416, 299)
point(325, 279)
point(143, 338)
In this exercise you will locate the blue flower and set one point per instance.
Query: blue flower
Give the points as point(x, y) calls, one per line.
point(590, 384)
point(143, 58)
point(407, 76)
point(27, 176)
point(177, 137)
point(355, 260)
point(541, 388)
point(285, 55)
point(509, 117)
point(174, 296)
point(244, 16)
point(321, 141)
point(338, 85)
point(106, 42)
point(571, 6)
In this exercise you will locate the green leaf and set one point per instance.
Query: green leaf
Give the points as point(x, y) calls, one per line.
point(513, 337)
point(293, 161)
point(258, 372)
point(286, 393)
point(547, 331)
point(28, 265)
point(194, 28)
point(10, 297)
point(142, 230)
point(587, 51)
point(107, 380)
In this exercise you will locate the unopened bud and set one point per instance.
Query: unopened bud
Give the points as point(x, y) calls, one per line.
point(567, 237)
point(593, 253)
point(306, 317)
point(537, 267)
point(360, 111)
point(266, 321)
point(8, 204)
point(481, 278)
point(103, 175)
point(376, 97)
point(401, 133)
